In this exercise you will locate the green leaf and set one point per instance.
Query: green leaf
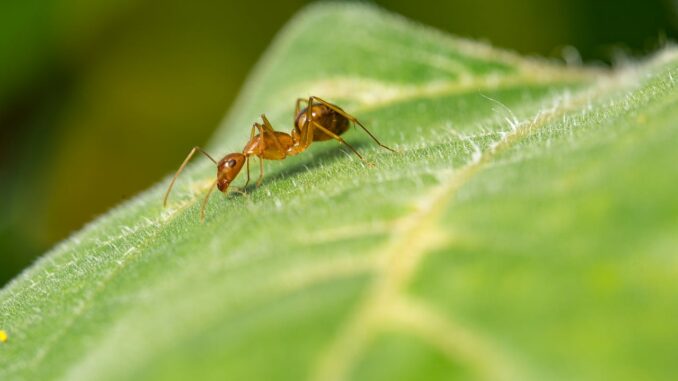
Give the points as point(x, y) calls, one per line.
point(527, 229)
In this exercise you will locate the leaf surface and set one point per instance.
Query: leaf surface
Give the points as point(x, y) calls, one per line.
point(527, 229)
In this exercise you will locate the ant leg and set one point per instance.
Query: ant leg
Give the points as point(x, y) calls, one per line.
point(261, 147)
point(297, 107)
point(181, 168)
point(352, 119)
point(247, 158)
point(342, 141)
point(271, 132)
point(306, 130)
point(261, 172)
point(204, 202)
point(247, 161)
point(262, 131)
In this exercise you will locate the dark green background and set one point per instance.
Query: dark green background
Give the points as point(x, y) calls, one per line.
point(100, 99)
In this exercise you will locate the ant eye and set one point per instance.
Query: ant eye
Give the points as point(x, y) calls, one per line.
point(231, 163)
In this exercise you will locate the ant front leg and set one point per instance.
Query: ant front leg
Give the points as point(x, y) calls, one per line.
point(241, 190)
point(262, 148)
point(247, 164)
point(349, 117)
point(247, 158)
point(261, 172)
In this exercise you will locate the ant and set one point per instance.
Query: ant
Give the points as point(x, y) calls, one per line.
point(319, 120)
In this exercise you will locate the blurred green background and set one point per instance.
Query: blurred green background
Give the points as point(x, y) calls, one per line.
point(100, 99)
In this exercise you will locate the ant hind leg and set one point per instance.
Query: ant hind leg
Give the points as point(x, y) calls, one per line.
point(341, 141)
point(297, 106)
point(351, 118)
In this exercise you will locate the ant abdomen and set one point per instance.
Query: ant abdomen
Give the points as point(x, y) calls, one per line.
point(323, 116)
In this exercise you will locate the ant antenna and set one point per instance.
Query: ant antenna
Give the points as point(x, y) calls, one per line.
point(183, 165)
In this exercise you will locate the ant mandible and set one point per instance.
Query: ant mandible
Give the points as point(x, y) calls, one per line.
point(319, 120)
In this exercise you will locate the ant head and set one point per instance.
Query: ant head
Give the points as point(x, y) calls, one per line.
point(228, 168)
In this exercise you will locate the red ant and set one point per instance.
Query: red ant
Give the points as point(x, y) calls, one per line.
point(319, 120)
